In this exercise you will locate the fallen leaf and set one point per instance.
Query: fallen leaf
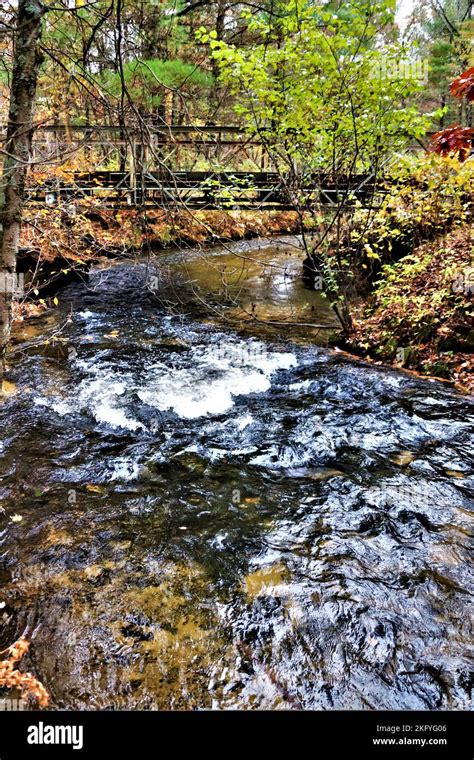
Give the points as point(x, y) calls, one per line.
point(7, 388)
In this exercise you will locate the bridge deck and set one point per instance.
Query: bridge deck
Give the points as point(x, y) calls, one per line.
point(199, 189)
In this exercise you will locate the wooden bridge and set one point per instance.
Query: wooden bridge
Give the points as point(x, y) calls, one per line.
point(211, 167)
point(198, 190)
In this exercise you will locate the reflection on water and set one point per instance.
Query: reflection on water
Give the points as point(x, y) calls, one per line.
point(211, 519)
point(257, 281)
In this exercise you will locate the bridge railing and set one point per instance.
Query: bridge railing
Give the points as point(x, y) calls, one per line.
point(210, 166)
point(177, 148)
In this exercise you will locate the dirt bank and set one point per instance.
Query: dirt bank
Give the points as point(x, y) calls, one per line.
point(420, 313)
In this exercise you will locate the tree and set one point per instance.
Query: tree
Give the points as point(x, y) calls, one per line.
point(26, 63)
point(443, 32)
point(331, 101)
point(148, 82)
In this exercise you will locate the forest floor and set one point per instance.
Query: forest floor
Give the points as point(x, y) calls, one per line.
point(104, 232)
point(420, 315)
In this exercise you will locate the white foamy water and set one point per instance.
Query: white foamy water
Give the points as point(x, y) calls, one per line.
point(101, 396)
point(212, 379)
point(208, 382)
point(86, 314)
point(125, 469)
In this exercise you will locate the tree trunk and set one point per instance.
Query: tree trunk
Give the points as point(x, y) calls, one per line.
point(217, 93)
point(26, 64)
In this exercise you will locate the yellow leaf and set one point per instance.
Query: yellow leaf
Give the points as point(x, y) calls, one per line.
point(93, 488)
point(7, 388)
point(371, 254)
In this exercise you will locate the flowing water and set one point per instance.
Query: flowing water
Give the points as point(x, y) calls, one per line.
point(197, 517)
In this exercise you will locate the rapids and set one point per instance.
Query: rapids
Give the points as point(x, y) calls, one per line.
point(197, 517)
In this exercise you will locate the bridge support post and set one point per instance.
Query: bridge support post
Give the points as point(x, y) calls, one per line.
point(137, 171)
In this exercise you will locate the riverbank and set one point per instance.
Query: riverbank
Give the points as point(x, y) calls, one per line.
point(53, 235)
point(56, 247)
point(419, 316)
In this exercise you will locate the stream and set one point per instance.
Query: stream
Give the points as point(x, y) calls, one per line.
point(200, 514)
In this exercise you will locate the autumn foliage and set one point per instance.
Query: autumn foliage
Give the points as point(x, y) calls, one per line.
point(453, 140)
point(457, 140)
point(463, 86)
point(30, 687)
